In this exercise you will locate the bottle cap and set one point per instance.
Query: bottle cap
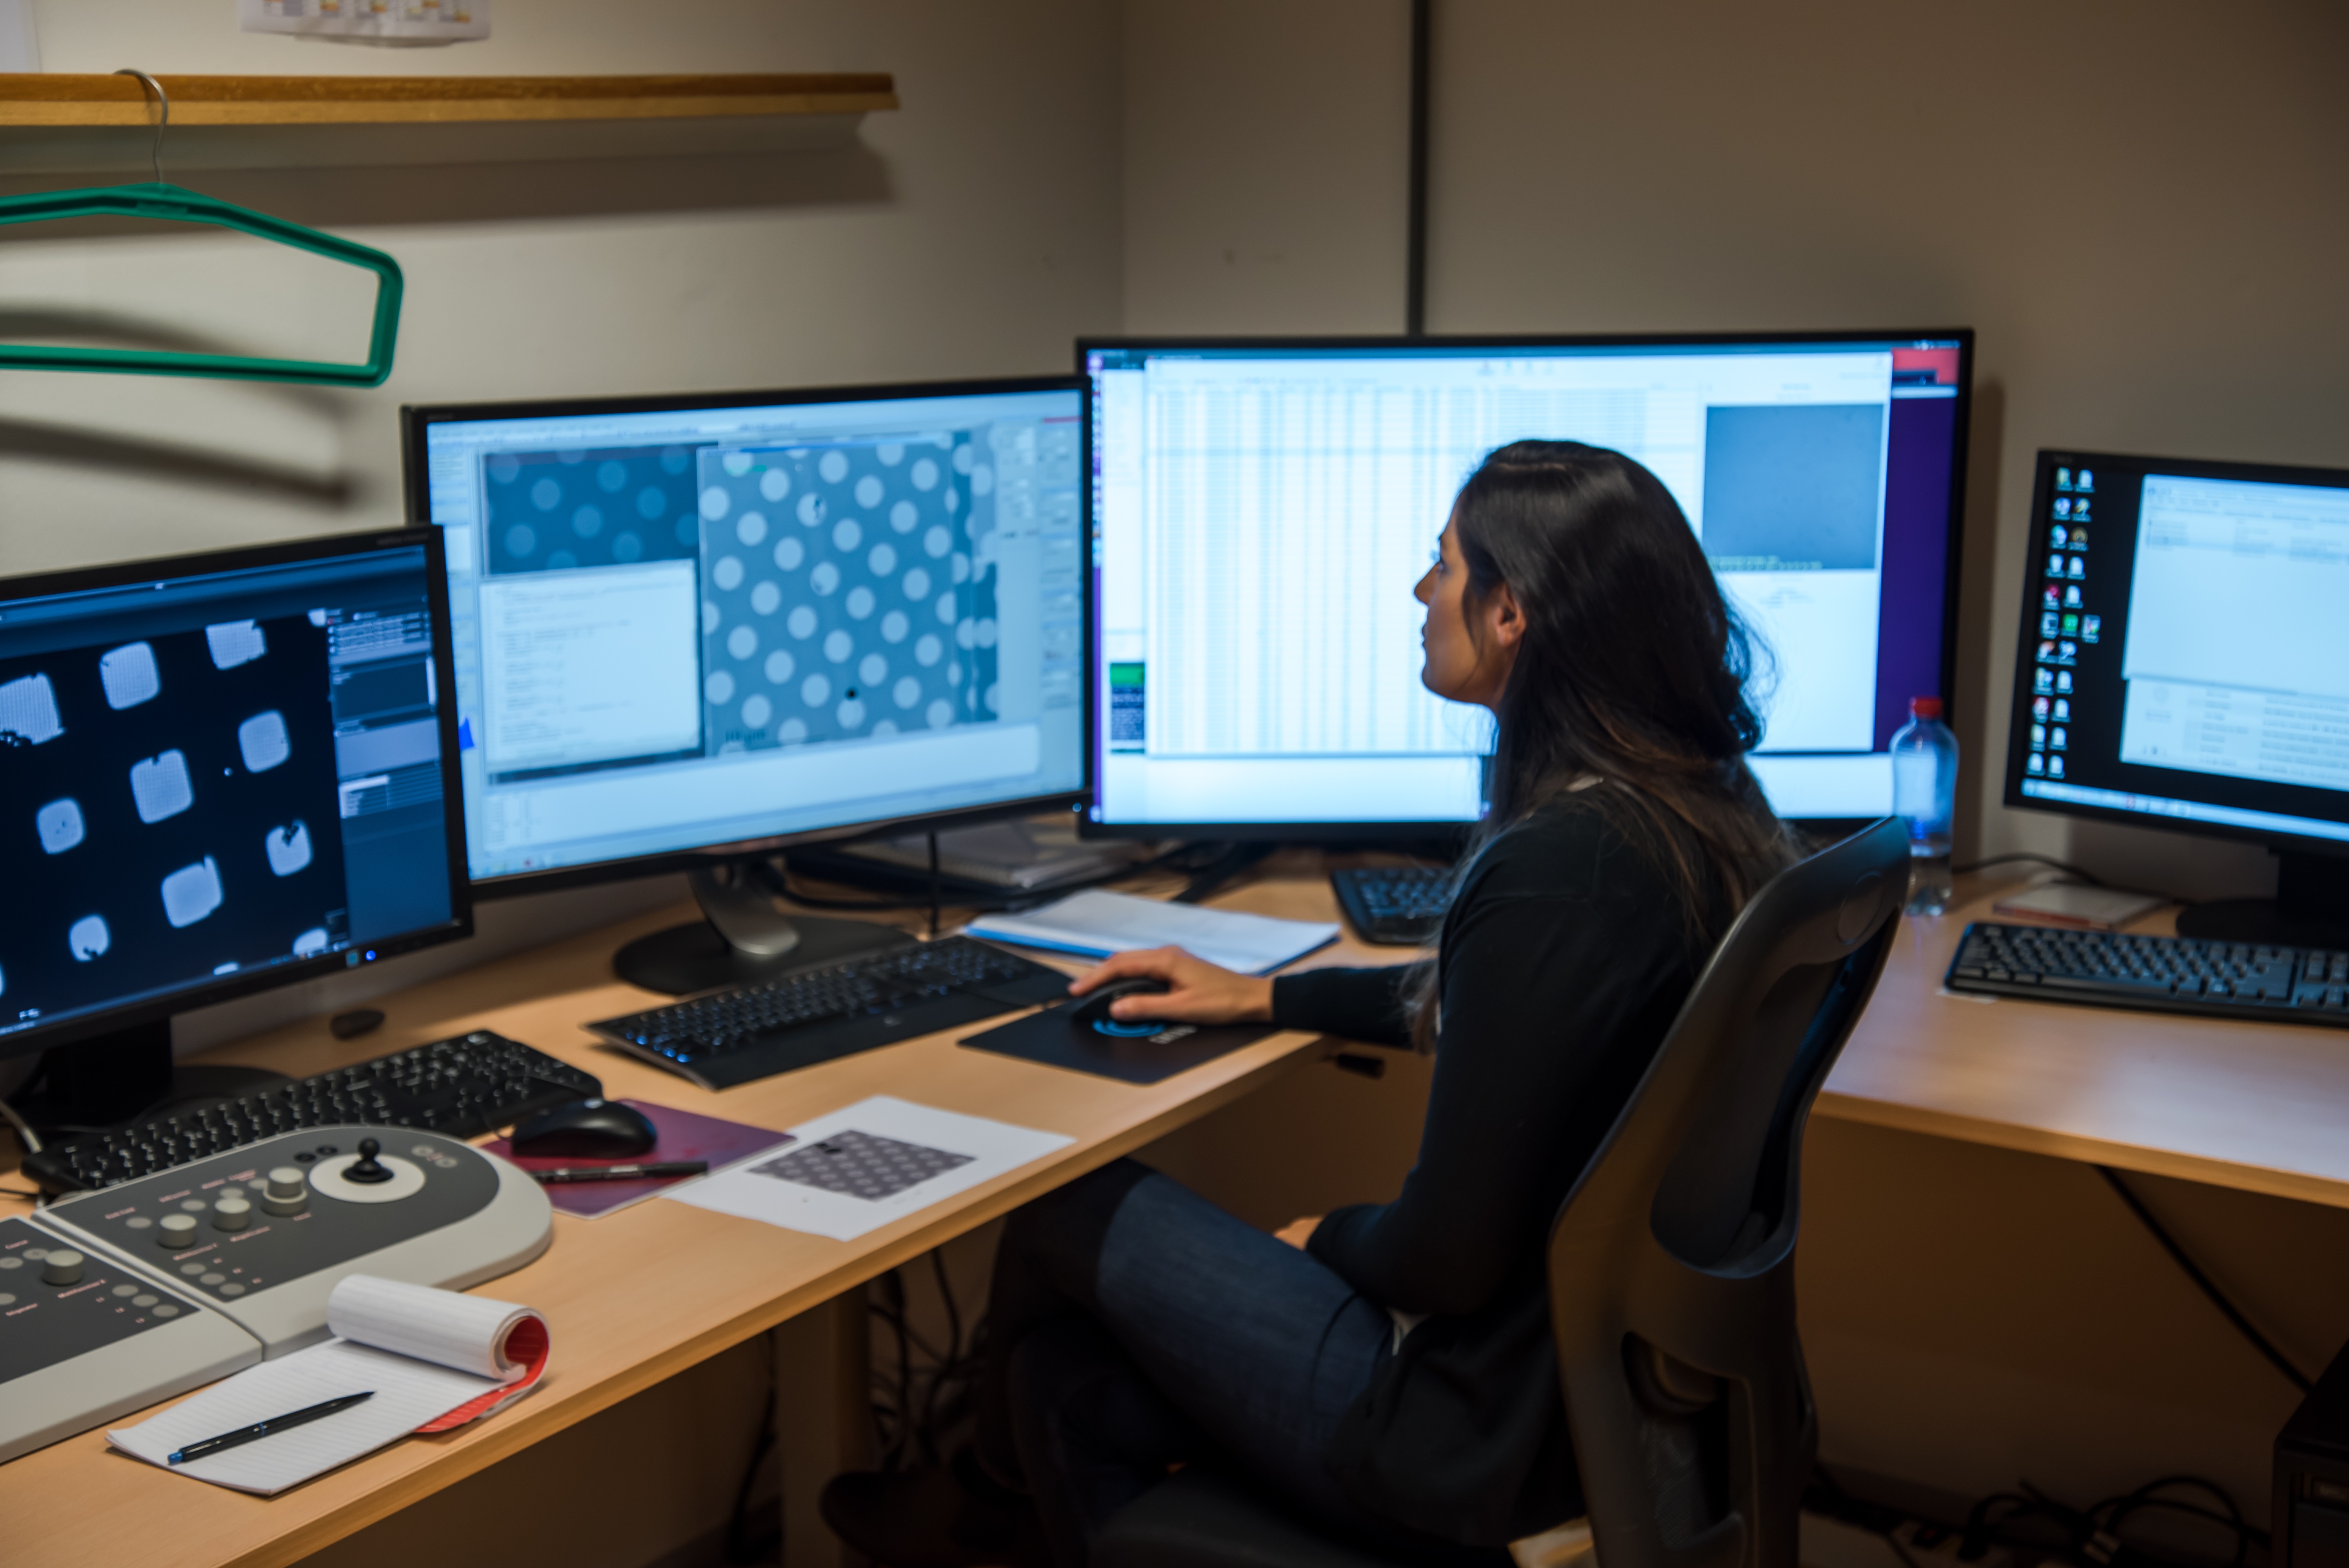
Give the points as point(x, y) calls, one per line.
point(1924, 707)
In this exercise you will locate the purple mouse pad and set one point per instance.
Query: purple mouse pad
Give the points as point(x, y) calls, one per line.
point(1050, 1038)
point(683, 1136)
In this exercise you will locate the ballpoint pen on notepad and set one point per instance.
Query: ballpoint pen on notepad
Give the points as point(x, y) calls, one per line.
point(645, 1173)
point(263, 1429)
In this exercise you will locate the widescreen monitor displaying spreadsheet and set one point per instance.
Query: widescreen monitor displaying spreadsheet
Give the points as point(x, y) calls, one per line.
point(698, 626)
point(2184, 660)
point(1260, 511)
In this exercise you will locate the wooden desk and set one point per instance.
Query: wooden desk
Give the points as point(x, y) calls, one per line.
point(2261, 1106)
point(641, 1294)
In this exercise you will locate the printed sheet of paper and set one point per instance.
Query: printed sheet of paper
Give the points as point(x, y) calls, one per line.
point(369, 21)
point(861, 1168)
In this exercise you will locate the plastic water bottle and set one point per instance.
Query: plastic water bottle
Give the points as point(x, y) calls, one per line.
point(1925, 791)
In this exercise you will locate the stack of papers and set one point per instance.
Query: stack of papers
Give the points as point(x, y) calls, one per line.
point(1099, 924)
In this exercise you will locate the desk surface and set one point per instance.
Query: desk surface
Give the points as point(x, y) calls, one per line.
point(642, 1293)
point(2263, 1106)
point(645, 1293)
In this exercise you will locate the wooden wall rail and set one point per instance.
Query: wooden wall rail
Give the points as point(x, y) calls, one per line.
point(44, 100)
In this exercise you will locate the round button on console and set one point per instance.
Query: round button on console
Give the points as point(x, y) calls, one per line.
point(286, 1190)
point(167, 1310)
point(63, 1267)
point(126, 1290)
point(176, 1230)
point(232, 1214)
point(145, 1300)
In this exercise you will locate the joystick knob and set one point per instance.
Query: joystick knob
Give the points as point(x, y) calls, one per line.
point(232, 1214)
point(175, 1231)
point(286, 1193)
point(62, 1266)
point(366, 1171)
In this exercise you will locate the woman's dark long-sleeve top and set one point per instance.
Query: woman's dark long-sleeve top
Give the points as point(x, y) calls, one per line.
point(1564, 956)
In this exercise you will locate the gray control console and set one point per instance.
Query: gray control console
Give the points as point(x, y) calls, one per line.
point(112, 1300)
point(84, 1339)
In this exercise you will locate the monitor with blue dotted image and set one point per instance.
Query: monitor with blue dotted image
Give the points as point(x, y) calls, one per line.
point(681, 626)
point(848, 590)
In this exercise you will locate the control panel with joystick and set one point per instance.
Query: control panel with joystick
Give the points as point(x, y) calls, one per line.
point(262, 1235)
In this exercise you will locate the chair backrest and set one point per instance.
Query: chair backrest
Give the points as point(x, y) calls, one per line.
point(1671, 1263)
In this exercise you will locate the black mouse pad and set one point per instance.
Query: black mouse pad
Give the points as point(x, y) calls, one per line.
point(1051, 1038)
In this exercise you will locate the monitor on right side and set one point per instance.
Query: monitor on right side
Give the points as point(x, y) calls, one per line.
point(1261, 509)
point(2184, 664)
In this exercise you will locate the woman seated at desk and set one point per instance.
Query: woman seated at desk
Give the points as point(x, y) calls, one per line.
point(1389, 1373)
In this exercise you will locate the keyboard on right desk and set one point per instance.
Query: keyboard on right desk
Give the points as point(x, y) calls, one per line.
point(1395, 906)
point(2155, 973)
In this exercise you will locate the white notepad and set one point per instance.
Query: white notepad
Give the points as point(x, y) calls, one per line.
point(423, 1353)
point(1099, 924)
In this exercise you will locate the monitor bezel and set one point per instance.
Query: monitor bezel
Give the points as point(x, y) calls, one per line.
point(210, 990)
point(2043, 492)
point(1444, 833)
point(416, 420)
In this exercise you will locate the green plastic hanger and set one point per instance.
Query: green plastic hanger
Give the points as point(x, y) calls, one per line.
point(177, 204)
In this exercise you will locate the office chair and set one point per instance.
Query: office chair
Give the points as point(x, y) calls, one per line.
point(1672, 1263)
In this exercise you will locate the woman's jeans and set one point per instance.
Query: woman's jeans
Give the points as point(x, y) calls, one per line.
point(1133, 1327)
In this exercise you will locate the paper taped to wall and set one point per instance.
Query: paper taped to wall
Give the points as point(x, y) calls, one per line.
point(369, 21)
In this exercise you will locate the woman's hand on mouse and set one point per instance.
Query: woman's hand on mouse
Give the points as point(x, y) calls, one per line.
point(1197, 992)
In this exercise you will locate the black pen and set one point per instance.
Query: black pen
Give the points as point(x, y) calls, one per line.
point(623, 1172)
point(264, 1429)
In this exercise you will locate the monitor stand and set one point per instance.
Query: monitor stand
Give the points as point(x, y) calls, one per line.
point(742, 939)
point(113, 1077)
point(2310, 908)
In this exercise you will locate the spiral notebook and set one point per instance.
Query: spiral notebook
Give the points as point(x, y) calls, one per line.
point(433, 1358)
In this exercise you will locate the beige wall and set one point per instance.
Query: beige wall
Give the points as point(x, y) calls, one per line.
point(2140, 208)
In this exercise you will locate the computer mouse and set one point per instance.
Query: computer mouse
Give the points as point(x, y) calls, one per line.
point(588, 1129)
point(1093, 1010)
point(350, 1026)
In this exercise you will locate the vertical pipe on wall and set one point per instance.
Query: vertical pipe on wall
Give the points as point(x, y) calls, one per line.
point(1414, 309)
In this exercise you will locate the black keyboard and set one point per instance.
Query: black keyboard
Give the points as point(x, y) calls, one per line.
point(2158, 973)
point(1401, 906)
point(727, 1038)
point(462, 1087)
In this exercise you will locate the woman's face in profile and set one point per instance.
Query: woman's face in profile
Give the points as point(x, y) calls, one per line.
point(1460, 667)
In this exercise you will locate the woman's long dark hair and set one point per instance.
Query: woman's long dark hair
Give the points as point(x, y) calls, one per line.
point(1633, 671)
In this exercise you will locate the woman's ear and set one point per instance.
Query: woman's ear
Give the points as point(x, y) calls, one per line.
point(1504, 617)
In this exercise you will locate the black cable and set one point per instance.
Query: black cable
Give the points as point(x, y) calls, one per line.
point(740, 1547)
point(934, 887)
point(2035, 1525)
point(2259, 1341)
point(1414, 288)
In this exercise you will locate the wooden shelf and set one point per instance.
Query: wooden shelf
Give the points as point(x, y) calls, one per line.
point(51, 124)
point(39, 100)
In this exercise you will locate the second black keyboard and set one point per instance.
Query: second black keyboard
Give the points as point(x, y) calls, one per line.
point(464, 1087)
point(728, 1037)
point(1399, 906)
point(2158, 973)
